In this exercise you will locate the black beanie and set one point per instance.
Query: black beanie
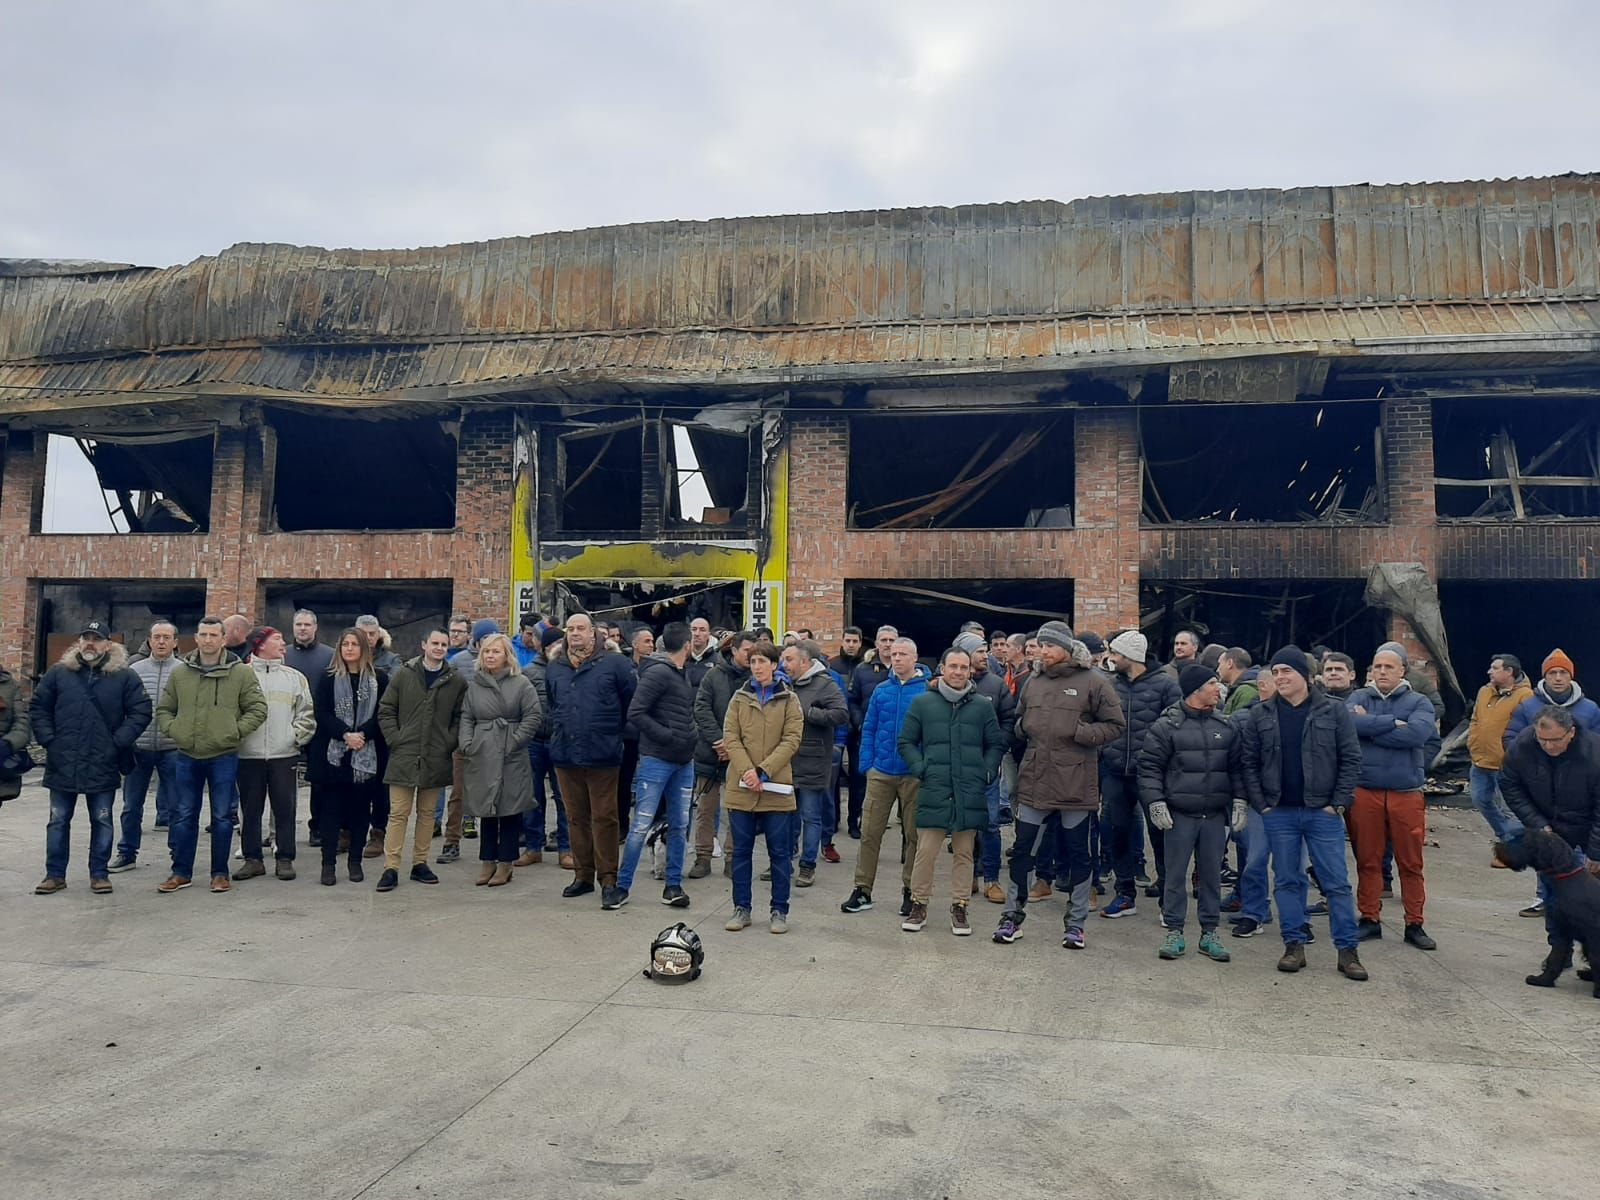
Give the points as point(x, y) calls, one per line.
point(1292, 656)
point(1194, 677)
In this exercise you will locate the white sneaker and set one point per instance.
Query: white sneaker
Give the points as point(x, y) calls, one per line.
point(739, 920)
point(716, 847)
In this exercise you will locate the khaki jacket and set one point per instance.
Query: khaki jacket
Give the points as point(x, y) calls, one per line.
point(763, 737)
point(1491, 713)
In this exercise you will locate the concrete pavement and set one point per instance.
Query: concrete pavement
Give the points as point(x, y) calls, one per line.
point(299, 1041)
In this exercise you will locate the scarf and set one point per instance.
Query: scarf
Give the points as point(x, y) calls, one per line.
point(355, 706)
point(952, 694)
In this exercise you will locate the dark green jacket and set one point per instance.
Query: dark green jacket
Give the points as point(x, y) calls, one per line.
point(955, 749)
point(421, 725)
point(208, 711)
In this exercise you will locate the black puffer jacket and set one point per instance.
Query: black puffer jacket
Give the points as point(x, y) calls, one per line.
point(1143, 701)
point(1194, 761)
point(1005, 704)
point(663, 711)
point(710, 710)
point(825, 710)
point(84, 715)
point(1562, 792)
point(1330, 754)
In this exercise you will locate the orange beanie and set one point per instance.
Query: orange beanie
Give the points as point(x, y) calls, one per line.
point(1558, 658)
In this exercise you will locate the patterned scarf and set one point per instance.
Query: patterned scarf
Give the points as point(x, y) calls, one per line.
point(355, 706)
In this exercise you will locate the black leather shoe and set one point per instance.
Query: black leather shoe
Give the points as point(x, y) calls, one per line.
point(422, 874)
point(577, 888)
point(388, 881)
point(1418, 937)
point(1367, 931)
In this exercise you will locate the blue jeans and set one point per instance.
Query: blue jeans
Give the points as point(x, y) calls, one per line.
point(535, 820)
point(163, 764)
point(1292, 832)
point(989, 837)
point(656, 781)
point(220, 777)
point(1485, 786)
point(1253, 896)
point(777, 828)
point(58, 834)
point(816, 815)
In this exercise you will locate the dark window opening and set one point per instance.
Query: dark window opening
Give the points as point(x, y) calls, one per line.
point(635, 603)
point(128, 606)
point(1516, 458)
point(931, 611)
point(127, 484)
point(339, 473)
point(601, 472)
point(1262, 616)
point(1483, 618)
point(1275, 463)
point(408, 609)
point(707, 473)
point(977, 471)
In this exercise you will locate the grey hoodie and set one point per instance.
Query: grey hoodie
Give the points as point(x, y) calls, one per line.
point(155, 674)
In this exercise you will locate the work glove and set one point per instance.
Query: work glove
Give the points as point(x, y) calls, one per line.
point(1161, 815)
point(1240, 811)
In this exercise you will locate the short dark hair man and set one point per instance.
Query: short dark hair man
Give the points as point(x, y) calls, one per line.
point(710, 753)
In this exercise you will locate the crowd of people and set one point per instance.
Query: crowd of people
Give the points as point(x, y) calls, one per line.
point(1088, 749)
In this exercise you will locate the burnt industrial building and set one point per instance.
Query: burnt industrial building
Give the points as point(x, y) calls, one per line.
point(1327, 414)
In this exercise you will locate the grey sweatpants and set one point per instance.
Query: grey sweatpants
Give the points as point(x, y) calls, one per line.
point(1199, 839)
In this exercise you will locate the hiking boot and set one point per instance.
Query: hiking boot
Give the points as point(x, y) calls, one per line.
point(122, 862)
point(528, 857)
point(674, 897)
point(1072, 939)
point(830, 853)
point(1248, 927)
point(252, 868)
point(959, 925)
point(739, 920)
point(1040, 890)
point(448, 853)
point(502, 875)
point(1418, 937)
point(905, 902)
point(805, 877)
point(701, 868)
point(1211, 946)
point(1536, 909)
point(284, 869)
point(389, 880)
point(100, 886)
point(330, 874)
point(422, 874)
point(1368, 930)
point(1009, 929)
point(994, 893)
point(860, 900)
point(50, 885)
point(916, 918)
point(1173, 946)
point(612, 898)
point(355, 871)
point(485, 873)
point(578, 887)
point(1122, 906)
point(469, 828)
point(374, 848)
point(1350, 965)
point(778, 922)
point(566, 862)
point(1294, 958)
point(219, 883)
point(1550, 970)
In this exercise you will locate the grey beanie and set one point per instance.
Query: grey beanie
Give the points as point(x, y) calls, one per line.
point(1056, 633)
point(970, 642)
point(1396, 649)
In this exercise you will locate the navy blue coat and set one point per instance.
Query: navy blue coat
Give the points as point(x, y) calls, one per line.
point(1391, 752)
point(83, 716)
point(588, 709)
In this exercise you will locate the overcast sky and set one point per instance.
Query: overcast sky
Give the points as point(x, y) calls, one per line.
point(154, 133)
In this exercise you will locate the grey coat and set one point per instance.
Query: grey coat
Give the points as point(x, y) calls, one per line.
point(499, 717)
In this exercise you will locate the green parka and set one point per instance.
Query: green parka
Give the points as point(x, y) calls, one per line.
point(208, 711)
point(955, 748)
point(421, 725)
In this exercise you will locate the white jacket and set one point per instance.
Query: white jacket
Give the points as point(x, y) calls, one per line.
point(290, 718)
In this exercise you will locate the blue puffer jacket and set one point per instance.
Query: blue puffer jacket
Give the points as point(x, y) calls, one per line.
point(1584, 710)
point(886, 712)
point(588, 708)
point(1391, 754)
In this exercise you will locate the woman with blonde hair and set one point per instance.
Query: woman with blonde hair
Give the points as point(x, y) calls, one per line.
point(498, 719)
point(347, 755)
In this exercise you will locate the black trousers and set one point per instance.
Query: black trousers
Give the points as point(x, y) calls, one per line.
point(498, 838)
point(346, 806)
point(261, 780)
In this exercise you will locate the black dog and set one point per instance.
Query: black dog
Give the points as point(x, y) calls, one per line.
point(1573, 907)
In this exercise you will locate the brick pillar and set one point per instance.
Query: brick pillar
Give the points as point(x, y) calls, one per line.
point(229, 555)
point(484, 491)
point(1106, 576)
point(21, 504)
point(1413, 512)
point(818, 460)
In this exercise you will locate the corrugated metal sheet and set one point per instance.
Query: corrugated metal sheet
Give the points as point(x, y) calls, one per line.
point(781, 356)
point(833, 293)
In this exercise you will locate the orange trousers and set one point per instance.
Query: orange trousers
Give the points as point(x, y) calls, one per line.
point(1379, 818)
